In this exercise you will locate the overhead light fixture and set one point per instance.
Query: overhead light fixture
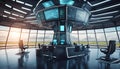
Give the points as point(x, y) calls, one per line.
point(15, 14)
point(21, 16)
point(27, 4)
point(101, 2)
point(12, 18)
point(13, 0)
point(32, 21)
point(18, 1)
point(106, 8)
point(31, 17)
point(26, 8)
point(4, 16)
point(85, 0)
point(19, 11)
point(8, 6)
point(105, 13)
point(7, 12)
point(99, 21)
point(101, 18)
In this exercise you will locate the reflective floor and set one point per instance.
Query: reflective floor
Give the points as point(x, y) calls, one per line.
point(12, 59)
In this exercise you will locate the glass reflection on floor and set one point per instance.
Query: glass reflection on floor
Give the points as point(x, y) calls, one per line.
point(12, 59)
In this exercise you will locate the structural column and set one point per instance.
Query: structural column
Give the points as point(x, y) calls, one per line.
point(105, 36)
point(96, 38)
point(7, 37)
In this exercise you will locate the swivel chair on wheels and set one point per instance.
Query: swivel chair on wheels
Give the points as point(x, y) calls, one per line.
point(109, 50)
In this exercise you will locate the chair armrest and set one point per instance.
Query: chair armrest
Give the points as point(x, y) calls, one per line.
point(103, 49)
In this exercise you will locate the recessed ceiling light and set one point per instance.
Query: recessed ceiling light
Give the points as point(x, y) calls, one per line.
point(15, 14)
point(26, 8)
point(27, 4)
point(12, 18)
point(101, 2)
point(8, 5)
point(7, 12)
point(5, 16)
point(99, 21)
point(105, 13)
point(19, 11)
point(18, 1)
point(106, 8)
point(101, 18)
point(31, 17)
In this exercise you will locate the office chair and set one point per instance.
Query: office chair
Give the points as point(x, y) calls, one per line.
point(109, 50)
point(51, 51)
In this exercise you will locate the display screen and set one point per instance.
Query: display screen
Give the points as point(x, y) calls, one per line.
point(62, 28)
point(67, 2)
point(71, 13)
point(55, 41)
point(82, 15)
point(62, 11)
point(41, 17)
point(48, 4)
point(51, 14)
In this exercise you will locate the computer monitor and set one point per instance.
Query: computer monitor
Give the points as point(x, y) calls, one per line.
point(51, 14)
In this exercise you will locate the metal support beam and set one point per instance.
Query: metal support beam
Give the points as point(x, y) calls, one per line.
point(78, 36)
point(87, 37)
point(96, 38)
point(105, 36)
point(28, 37)
point(7, 37)
point(44, 36)
point(20, 34)
point(118, 36)
point(36, 39)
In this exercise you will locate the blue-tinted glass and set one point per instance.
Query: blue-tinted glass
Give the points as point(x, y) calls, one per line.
point(48, 4)
point(54, 41)
point(71, 13)
point(62, 41)
point(82, 15)
point(68, 2)
point(62, 12)
point(118, 28)
point(51, 14)
point(62, 28)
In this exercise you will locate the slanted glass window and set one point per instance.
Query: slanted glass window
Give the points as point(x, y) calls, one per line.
point(51, 14)
point(68, 2)
point(118, 28)
point(62, 28)
point(48, 4)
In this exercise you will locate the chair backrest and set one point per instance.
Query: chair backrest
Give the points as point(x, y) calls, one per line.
point(111, 47)
point(44, 48)
point(51, 48)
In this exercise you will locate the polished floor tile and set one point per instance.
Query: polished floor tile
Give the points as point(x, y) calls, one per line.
point(12, 59)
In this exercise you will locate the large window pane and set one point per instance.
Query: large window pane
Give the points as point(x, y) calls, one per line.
point(111, 35)
point(40, 36)
point(24, 36)
point(74, 37)
point(32, 38)
point(48, 37)
point(83, 38)
point(4, 33)
point(91, 37)
point(14, 37)
point(100, 37)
